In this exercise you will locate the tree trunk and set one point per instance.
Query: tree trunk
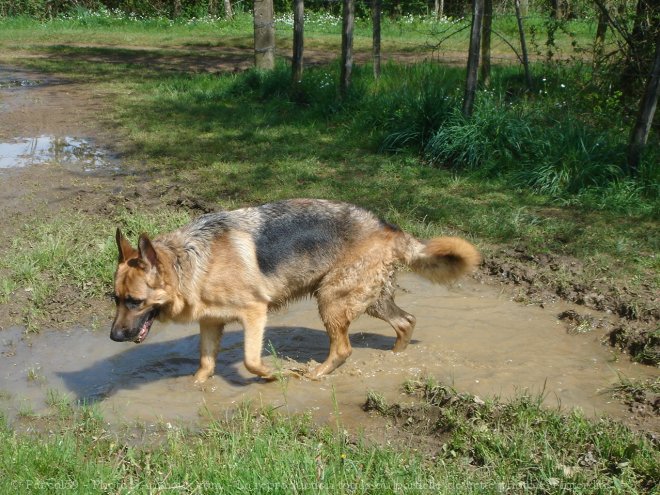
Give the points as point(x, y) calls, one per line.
point(647, 108)
point(555, 9)
point(640, 44)
point(229, 14)
point(523, 45)
point(348, 20)
point(439, 9)
point(486, 32)
point(376, 13)
point(264, 35)
point(213, 8)
point(473, 57)
point(298, 39)
point(599, 42)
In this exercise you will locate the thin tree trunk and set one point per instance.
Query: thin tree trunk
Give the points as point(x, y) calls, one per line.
point(473, 57)
point(298, 39)
point(486, 32)
point(647, 108)
point(439, 9)
point(523, 45)
point(555, 9)
point(638, 46)
point(229, 14)
point(264, 35)
point(348, 20)
point(376, 13)
point(599, 42)
point(213, 8)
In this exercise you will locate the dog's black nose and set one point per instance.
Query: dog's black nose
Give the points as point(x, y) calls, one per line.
point(118, 335)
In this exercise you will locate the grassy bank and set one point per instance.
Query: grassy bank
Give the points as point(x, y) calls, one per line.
point(466, 446)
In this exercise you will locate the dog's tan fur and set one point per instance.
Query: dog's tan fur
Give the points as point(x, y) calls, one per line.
point(236, 266)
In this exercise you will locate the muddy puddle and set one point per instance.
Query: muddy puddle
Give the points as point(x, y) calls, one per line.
point(35, 131)
point(467, 335)
point(75, 154)
point(11, 77)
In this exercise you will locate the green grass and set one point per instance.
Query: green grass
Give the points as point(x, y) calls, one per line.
point(75, 252)
point(484, 447)
point(407, 34)
point(524, 446)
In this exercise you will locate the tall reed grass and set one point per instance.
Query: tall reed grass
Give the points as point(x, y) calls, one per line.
point(547, 141)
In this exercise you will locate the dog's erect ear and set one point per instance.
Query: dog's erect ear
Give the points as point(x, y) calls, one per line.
point(147, 251)
point(126, 251)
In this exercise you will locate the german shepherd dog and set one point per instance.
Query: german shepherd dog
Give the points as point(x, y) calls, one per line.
point(237, 265)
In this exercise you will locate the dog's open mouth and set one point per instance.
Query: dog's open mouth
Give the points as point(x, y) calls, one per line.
point(146, 325)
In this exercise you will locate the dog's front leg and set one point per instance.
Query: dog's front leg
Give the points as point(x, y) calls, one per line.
point(209, 345)
point(254, 323)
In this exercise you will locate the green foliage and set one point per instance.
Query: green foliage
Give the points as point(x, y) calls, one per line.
point(553, 142)
point(407, 106)
point(491, 139)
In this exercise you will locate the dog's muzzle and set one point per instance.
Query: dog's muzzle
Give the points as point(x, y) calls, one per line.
point(120, 333)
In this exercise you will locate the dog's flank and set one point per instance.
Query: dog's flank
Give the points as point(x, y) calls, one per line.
point(238, 265)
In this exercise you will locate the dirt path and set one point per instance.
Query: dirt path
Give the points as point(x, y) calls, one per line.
point(473, 336)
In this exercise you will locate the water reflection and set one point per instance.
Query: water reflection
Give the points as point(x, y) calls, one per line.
point(79, 154)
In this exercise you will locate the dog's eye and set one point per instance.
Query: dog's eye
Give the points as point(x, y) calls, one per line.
point(132, 303)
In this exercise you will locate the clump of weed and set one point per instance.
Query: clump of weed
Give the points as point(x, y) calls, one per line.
point(642, 344)
point(521, 443)
point(641, 396)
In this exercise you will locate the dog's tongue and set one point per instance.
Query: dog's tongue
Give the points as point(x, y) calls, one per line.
point(144, 331)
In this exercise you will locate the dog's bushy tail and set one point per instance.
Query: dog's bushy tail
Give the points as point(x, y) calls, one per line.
point(442, 259)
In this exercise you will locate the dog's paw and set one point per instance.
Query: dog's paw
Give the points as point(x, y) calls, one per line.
point(201, 376)
point(315, 375)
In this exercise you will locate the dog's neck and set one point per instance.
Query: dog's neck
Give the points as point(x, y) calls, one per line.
point(172, 262)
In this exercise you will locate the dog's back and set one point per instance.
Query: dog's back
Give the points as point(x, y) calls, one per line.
point(294, 242)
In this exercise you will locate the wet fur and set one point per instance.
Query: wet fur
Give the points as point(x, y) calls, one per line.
point(237, 265)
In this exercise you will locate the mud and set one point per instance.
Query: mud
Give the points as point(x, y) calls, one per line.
point(466, 335)
point(629, 315)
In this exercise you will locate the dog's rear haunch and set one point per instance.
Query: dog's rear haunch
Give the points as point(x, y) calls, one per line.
point(238, 265)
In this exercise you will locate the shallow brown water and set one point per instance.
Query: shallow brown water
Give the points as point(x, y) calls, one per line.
point(467, 335)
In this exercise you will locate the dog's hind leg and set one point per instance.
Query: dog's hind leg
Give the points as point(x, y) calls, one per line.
point(209, 345)
point(402, 322)
point(254, 323)
point(336, 323)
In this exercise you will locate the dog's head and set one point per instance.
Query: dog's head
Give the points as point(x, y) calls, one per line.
point(139, 291)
